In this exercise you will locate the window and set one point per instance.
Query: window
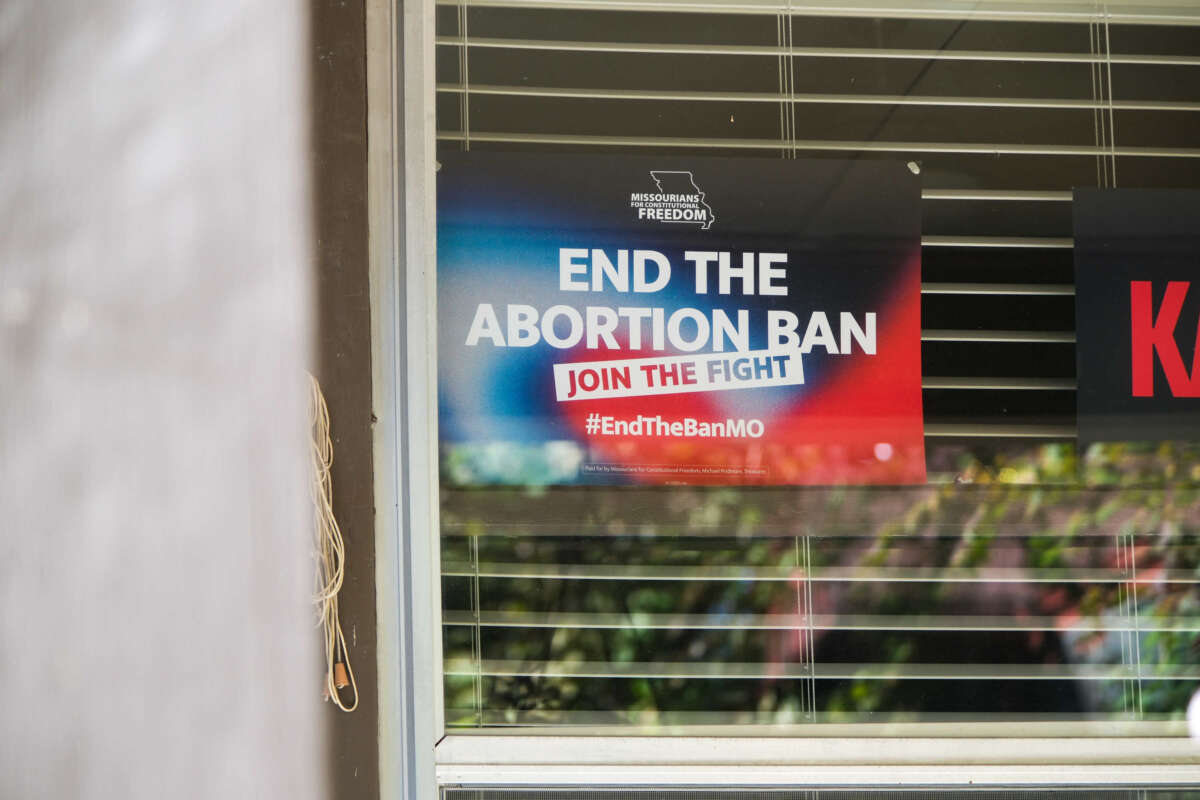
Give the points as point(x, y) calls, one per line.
point(1032, 588)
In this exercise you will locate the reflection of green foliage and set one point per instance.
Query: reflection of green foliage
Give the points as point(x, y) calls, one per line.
point(1023, 511)
point(1168, 648)
point(511, 463)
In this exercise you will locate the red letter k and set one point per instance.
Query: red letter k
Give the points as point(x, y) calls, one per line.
point(1152, 334)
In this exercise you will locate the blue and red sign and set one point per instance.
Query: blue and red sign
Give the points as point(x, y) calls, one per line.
point(638, 320)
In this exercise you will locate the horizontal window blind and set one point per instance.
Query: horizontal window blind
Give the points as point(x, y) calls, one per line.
point(1140, 12)
point(1001, 596)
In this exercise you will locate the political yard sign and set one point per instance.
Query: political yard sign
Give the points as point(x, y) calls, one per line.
point(646, 320)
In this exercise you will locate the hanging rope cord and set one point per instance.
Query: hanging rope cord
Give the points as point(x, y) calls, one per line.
point(330, 554)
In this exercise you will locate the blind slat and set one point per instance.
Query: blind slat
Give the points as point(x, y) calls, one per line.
point(1044, 242)
point(823, 622)
point(789, 669)
point(832, 145)
point(717, 572)
point(881, 53)
point(820, 98)
point(792, 723)
point(1129, 13)
point(1021, 195)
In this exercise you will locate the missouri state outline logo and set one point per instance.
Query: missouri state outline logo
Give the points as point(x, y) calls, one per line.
point(676, 199)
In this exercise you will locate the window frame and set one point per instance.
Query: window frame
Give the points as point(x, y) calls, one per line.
point(416, 754)
point(400, 188)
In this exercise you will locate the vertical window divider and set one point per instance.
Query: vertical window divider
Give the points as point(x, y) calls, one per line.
point(1112, 124)
point(803, 622)
point(1137, 635)
point(1097, 110)
point(464, 72)
point(783, 94)
point(791, 79)
point(812, 655)
point(477, 635)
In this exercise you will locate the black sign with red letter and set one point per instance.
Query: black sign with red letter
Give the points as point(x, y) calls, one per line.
point(1137, 301)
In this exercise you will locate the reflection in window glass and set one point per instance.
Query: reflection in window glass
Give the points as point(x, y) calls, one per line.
point(1030, 583)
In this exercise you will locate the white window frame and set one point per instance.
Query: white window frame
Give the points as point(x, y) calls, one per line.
point(416, 755)
point(401, 242)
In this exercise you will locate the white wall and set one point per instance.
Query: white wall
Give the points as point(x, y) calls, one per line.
point(156, 637)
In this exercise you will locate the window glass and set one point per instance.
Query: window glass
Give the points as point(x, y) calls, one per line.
point(1036, 585)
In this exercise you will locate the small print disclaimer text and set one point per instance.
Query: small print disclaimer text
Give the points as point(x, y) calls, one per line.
point(657, 427)
point(682, 470)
